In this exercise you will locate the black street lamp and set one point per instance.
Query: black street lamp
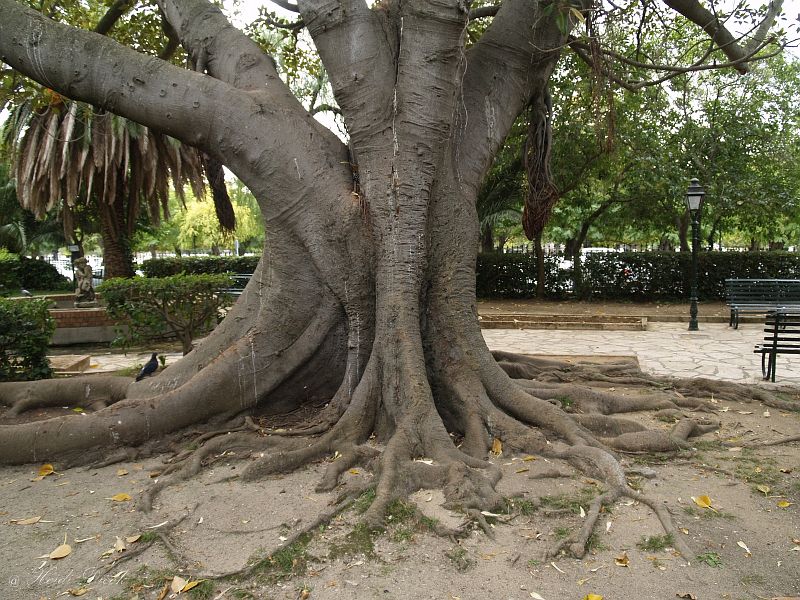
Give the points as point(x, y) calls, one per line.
point(694, 204)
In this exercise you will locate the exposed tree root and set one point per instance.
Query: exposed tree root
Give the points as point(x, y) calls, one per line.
point(90, 391)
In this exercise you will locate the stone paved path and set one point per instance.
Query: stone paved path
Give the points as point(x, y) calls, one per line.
point(716, 350)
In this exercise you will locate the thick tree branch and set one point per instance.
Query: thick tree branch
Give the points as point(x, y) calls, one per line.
point(504, 68)
point(359, 60)
point(229, 55)
point(286, 5)
point(738, 55)
point(76, 63)
point(113, 14)
point(483, 11)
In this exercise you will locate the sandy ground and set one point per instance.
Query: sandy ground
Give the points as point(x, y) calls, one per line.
point(748, 544)
point(229, 524)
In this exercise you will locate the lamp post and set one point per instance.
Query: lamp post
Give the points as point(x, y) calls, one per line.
point(694, 204)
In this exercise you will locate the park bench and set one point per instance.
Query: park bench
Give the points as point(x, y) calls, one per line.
point(759, 296)
point(240, 281)
point(782, 336)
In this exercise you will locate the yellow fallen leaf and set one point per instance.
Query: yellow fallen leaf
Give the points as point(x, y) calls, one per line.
point(622, 560)
point(121, 497)
point(46, 470)
point(78, 591)
point(784, 504)
point(529, 458)
point(703, 502)
point(78, 409)
point(353, 471)
point(764, 489)
point(190, 584)
point(60, 552)
point(522, 470)
point(497, 447)
point(122, 472)
point(119, 545)
point(592, 597)
point(133, 538)
point(28, 521)
point(177, 584)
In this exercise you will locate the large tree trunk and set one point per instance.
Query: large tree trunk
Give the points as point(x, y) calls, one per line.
point(117, 252)
point(365, 295)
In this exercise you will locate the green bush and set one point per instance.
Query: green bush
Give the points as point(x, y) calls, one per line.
point(514, 276)
point(22, 272)
point(164, 267)
point(636, 276)
point(180, 306)
point(25, 330)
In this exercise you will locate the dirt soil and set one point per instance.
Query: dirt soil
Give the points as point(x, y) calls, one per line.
point(747, 544)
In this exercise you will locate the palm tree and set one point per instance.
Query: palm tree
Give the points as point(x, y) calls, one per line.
point(69, 157)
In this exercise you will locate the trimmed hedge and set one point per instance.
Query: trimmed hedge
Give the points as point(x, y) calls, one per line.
point(637, 276)
point(514, 276)
point(22, 272)
point(25, 331)
point(197, 265)
point(645, 276)
point(180, 306)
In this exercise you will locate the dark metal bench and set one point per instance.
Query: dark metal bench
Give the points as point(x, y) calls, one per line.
point(239, 282)
point(759, 296)
point(782, 336)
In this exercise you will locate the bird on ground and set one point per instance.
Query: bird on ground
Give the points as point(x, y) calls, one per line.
point(25, 293)
point(149, 368)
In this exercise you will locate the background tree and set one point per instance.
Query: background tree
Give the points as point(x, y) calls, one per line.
point(365, 294)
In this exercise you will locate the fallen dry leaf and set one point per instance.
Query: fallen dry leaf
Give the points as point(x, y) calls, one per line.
point(121, 497)
point(703, 502)
point(122, 472)
point(119, 545)
point(592, 597)
point(764, 489)
point(744, 547)
point(497, 447)
point(177, 584)
point(60, 552)
point(622, 560)
point(191, 584)
point(46, 470)
point(78, 591)
point(536, 596)
point(784, 504)
point(353, 471)
point(687, 596)
point(28, 521)
point(133, 538)
point(522, 470)
point(529, 458)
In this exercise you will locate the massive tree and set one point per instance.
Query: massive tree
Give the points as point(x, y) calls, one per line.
point(364, 295)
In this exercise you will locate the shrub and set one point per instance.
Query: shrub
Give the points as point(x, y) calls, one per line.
point(25, 330)
point(180, 306)
point(514, 276)
point(637, 276)
point(164, 267)
point(23, 272)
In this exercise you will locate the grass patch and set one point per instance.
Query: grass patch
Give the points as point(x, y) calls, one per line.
point(594, 544)
point(753, 579)
point(460, 558)
point(712, 559)
point(708, 445)
point(565, 401)
point(202, 591)
point(285, 562)
point(653, 543)
point(364, 501)
point(704, 513)
point(571, 502)
point(359, 541)
point(400, 512)
point(561, 533)
point(520, 506)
